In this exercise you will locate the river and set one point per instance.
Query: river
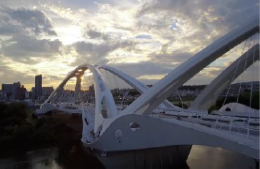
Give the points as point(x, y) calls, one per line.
point(200, 157)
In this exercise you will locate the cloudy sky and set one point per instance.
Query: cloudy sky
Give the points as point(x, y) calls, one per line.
point(144, 38)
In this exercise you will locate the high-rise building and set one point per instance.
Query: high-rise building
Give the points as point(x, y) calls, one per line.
point(38, 86)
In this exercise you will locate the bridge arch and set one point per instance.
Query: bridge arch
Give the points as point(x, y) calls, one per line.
point(139, 86)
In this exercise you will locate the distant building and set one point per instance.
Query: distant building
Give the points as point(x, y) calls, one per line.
point(189, 91)
point(21, 93)
point(7, 90)
point(14, 91)
point(38, 86)
point(236, 88)
point(2, 96)
point(27, 95)
point(32, 94)
point(46, 91)
point(91, 89)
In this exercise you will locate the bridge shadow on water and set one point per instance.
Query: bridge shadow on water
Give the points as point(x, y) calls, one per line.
point(77, 157)
point(201, 157)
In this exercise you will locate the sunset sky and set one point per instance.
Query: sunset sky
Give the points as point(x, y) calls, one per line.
point(144, 38)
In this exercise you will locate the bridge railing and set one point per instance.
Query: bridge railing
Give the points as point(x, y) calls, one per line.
point(242, 129)
point(225, 123)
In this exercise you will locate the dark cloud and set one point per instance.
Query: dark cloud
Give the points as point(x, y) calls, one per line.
point(143, 68)
point(143, 36)
point(94, 34)
point(22, 48)
point(25, 27)
point(174, 57)
point(8, 29)
point(96, 53)
point(24, 21)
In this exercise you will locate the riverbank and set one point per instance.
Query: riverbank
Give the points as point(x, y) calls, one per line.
point(22, 132)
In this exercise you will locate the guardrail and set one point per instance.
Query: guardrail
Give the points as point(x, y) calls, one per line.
point(238, 125)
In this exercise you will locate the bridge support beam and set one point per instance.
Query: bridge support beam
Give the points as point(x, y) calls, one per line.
point(78, 87)
point(211, 93)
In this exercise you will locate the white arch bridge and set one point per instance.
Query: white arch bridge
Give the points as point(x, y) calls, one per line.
point(151, 121)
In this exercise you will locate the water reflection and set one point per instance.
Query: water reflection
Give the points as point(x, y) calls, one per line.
point(215, 158)
point(39, 159)
point(76, 157)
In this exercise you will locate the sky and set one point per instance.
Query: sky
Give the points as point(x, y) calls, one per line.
point(143, 38)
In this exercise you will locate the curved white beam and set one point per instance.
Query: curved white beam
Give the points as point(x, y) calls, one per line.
point(103, 96)
point(140, 87)
point(148, 101)
point(61, 85)
point(211, 93)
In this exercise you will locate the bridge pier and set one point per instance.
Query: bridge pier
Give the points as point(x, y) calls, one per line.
point(161, 157)
point(257, 164)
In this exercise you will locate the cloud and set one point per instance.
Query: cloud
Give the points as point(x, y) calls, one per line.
point(218, 11)
point(146, 39)
point(24, 48)
point(199, 21)
point(97, 53)
point(22, 20)
point(147, 71)
point(8, 75)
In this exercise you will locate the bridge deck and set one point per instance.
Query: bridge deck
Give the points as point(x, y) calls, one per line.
point(235, 125)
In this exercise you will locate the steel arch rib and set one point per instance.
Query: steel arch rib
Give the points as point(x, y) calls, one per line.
point(140, 87)
point(61, 85)
point(102, 95)
point(146, 103)
point(130, 80)
point(219, 84)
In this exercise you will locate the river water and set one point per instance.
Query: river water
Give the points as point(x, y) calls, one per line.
point(200, 157)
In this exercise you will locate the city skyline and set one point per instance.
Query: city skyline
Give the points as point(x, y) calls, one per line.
point(145, 39)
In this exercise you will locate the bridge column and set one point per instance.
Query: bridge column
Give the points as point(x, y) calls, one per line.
point(78, 88)
point(257, 164)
